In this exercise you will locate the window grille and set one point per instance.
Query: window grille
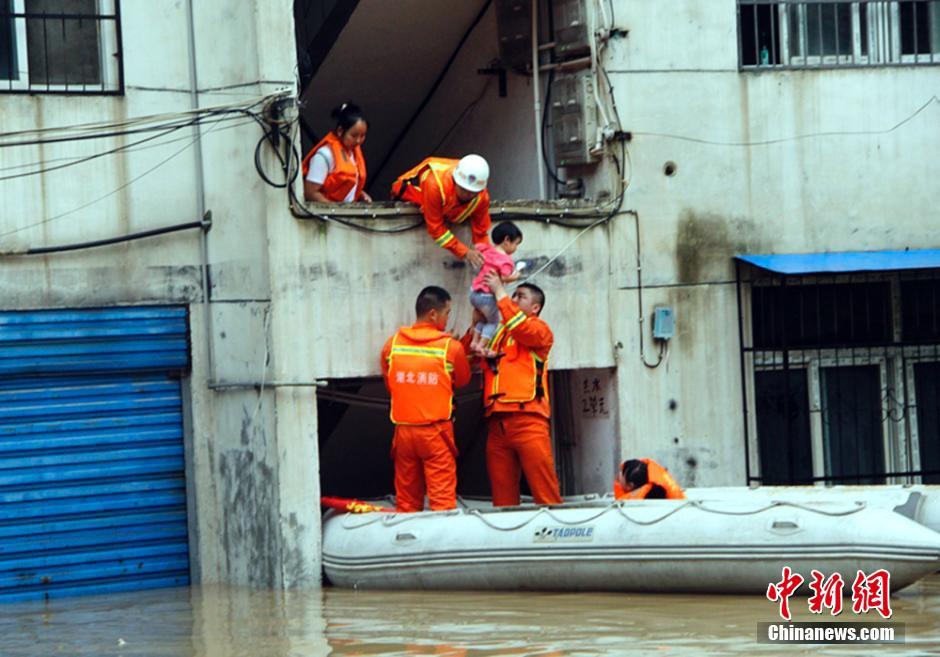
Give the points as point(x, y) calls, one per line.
point(788, 34)
point(842, 377)
point(61, 46)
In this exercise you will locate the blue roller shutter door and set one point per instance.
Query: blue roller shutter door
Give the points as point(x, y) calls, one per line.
point(92, 487)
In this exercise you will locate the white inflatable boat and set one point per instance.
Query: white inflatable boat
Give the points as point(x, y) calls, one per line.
point(720, 546)
point(919, 502)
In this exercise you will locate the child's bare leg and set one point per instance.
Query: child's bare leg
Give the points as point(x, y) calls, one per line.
point(476, 341)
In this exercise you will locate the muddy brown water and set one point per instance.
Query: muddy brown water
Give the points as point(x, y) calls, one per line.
point(228, 621)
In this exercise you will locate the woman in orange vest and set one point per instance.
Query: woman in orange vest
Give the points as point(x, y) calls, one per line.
point(645, 479)
point(335, 170)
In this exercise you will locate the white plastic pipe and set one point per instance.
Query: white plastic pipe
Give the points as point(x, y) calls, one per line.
point(538, 98)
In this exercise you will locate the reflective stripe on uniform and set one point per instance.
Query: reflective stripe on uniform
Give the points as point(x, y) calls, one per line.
point(433, 169)
point(515, 320)
point(445, 239)
point(429, 352)
point(497, 336)
point(460, 218)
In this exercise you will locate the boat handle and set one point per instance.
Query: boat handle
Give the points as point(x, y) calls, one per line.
point(405, 536)
point(784, 524)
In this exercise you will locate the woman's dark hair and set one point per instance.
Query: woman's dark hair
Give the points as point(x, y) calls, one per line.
point(347, 115)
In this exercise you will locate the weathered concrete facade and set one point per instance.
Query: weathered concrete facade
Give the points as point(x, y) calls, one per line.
point(776, 161)
point(768, 161)
point(251, 464)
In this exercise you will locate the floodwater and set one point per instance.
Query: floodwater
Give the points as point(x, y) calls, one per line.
point(234, 622)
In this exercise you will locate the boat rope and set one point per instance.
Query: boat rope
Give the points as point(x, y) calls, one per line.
point(776, 503)
point(390, 520)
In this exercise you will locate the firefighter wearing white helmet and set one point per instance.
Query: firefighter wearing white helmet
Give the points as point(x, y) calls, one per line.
point(471, 173)
point(450, 192)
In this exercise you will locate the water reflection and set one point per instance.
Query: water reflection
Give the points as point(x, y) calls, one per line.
point(233, 622)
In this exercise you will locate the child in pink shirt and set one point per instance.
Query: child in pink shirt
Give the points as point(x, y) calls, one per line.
point(497, 257)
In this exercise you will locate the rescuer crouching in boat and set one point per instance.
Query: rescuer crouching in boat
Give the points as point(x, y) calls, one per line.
point(645, 479)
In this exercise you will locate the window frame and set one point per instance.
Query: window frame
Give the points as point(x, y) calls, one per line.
point(110, 56)
point(814, 363)
point(882, 35)
point(896, 359)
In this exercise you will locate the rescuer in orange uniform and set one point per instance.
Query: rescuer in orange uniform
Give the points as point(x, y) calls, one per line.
point(423, 366)
point(515, 395)
point(645, 479)
point(450, 192)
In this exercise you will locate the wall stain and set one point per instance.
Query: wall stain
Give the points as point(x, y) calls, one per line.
point(559, 267)
point(250, 530)
point(690, 462)
point(706, 244)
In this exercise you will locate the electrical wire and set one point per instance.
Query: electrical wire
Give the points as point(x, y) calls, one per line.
point(564, 248)
point(614, 212)
point(430, 94)
point(119, 149)
point(781, 140)
point(297, 208)
point(128, 149)
point(151, 118)
point(548, 165)
point(113, 133)
point(130, 182)
point(463, 115)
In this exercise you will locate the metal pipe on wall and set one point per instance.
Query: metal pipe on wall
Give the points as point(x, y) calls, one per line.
point(200, 191)
point(537, 97)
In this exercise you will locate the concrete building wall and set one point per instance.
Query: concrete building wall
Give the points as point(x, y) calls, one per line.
point(769, 161)
point(251, 462)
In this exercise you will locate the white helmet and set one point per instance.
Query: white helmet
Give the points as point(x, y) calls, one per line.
point(471, 173)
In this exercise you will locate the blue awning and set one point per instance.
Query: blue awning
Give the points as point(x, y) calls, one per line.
point(844, 262)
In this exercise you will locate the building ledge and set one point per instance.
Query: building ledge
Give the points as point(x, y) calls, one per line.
point(379, 210)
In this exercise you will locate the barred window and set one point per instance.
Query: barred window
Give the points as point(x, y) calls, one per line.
point(60, 46)
point(833, 33)
point(843, 382)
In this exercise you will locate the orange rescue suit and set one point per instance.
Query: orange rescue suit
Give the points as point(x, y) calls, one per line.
point(515, 394)
point(660, 485)
point(431, 185)
point(422, 367)
point(345, 175)
point(518, 380)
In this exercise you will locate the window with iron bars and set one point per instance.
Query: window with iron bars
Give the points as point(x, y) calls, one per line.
point(61, 46)
point(843, 378)
point(784, 34)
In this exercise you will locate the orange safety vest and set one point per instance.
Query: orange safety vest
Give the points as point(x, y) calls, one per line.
point(408, 185)
point(345, 173)
point(657, 476)
point(518, 376)
point(420, 381)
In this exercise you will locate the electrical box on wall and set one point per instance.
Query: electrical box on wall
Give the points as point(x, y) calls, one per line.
point(574, 119)
point(664, 324)
point(514, 30)
point(571, 28)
